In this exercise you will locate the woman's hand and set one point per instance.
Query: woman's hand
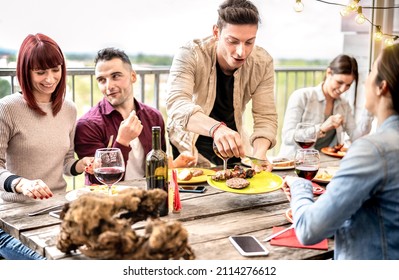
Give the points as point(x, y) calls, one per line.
point(85, 164)
point(332, 122)
point(35, 189)
point(288, 181)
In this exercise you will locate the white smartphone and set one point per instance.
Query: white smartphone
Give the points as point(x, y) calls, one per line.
point(248, 245)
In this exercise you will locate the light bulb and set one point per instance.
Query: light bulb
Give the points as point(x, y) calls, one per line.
point(354, 5)
point(389, 41)
point(345, 11)
point(378, 33)
point(298, 6)
point(360, 19)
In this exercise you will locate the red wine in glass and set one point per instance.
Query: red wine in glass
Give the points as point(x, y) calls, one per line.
point(307, 163)
point(109, 175)
point(306, 172)
point(305, 144)
point(305, 135)
point(108, 166)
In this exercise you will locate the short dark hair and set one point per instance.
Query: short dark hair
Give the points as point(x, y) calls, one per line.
point(111, 53)
point(40, 52)
point(237, 12)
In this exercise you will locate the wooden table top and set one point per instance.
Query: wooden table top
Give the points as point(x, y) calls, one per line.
point(210, 218)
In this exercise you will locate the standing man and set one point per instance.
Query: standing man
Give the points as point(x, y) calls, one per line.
point(211, 81)
point(120, 115)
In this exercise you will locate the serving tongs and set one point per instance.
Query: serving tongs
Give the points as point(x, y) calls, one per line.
point(46, 210)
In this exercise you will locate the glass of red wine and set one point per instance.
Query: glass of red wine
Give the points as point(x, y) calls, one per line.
point(216, 150)
point(305, 135)
point(108, 166)
point(307, 163)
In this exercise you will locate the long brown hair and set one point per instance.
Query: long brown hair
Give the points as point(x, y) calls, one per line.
point(388, 70)
point(347, 65)
point(40, 52)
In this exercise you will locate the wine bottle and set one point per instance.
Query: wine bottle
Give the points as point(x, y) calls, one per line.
point(157, 169)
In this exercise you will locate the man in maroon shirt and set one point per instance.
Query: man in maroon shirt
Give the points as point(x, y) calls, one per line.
point(119, 114)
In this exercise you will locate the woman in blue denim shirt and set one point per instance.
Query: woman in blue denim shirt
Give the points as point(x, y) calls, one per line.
point(361, 204)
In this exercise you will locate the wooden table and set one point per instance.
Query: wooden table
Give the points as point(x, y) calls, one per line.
point(210, 219)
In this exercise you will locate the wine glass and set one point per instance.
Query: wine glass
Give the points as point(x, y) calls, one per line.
point(307, 162)
point(305, 135)
point(108, 166)
point(215, 149)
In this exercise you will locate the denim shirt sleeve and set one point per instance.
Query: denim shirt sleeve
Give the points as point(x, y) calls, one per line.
point(353, 184)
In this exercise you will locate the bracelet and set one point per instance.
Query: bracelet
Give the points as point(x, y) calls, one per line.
point(217, 127)
point(210, 130)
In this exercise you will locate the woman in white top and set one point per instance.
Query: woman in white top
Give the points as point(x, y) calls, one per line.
point(323, 106)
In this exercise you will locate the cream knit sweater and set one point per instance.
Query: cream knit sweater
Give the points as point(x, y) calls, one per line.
point(34, 146)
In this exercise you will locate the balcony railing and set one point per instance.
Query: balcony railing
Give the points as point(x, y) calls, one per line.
point(150, 88)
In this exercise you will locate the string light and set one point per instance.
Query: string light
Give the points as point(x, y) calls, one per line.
point(389, 41)
point(360, 18)
point(354, 6)
point(298, 6)
point(378, 33)
point(345, 11)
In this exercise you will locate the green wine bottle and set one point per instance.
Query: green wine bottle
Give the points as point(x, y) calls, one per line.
point(157, 169)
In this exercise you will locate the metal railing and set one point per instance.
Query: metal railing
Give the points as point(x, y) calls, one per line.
point(150, 88)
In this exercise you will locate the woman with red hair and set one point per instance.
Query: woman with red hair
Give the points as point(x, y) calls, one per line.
point(37, 128)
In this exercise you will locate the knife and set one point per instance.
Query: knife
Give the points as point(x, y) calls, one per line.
point(45, 210)
point(257, 160)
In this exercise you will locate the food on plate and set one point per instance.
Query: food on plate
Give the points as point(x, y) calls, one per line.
point(237, 183)
point(185, 175)
point(339, 149)
point(324, 175)
point(282, 162)
point(197, 172)
point(236, 172)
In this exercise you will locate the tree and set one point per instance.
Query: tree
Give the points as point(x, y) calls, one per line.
point(5, 88)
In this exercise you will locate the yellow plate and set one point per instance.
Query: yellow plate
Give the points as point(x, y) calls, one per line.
point(262, 182)
point(197, 179)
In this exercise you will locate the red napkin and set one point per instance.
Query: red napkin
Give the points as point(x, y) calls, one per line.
point(289, 239)
point(175, 191)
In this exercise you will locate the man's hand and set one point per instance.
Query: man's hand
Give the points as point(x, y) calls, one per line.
point(129, 129)
point(228, 142)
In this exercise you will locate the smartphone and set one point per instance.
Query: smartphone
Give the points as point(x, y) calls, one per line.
point(192, 189)
point(55, 214)
point(248, 245)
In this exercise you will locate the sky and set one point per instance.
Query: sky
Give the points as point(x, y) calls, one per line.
point(160, 26)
